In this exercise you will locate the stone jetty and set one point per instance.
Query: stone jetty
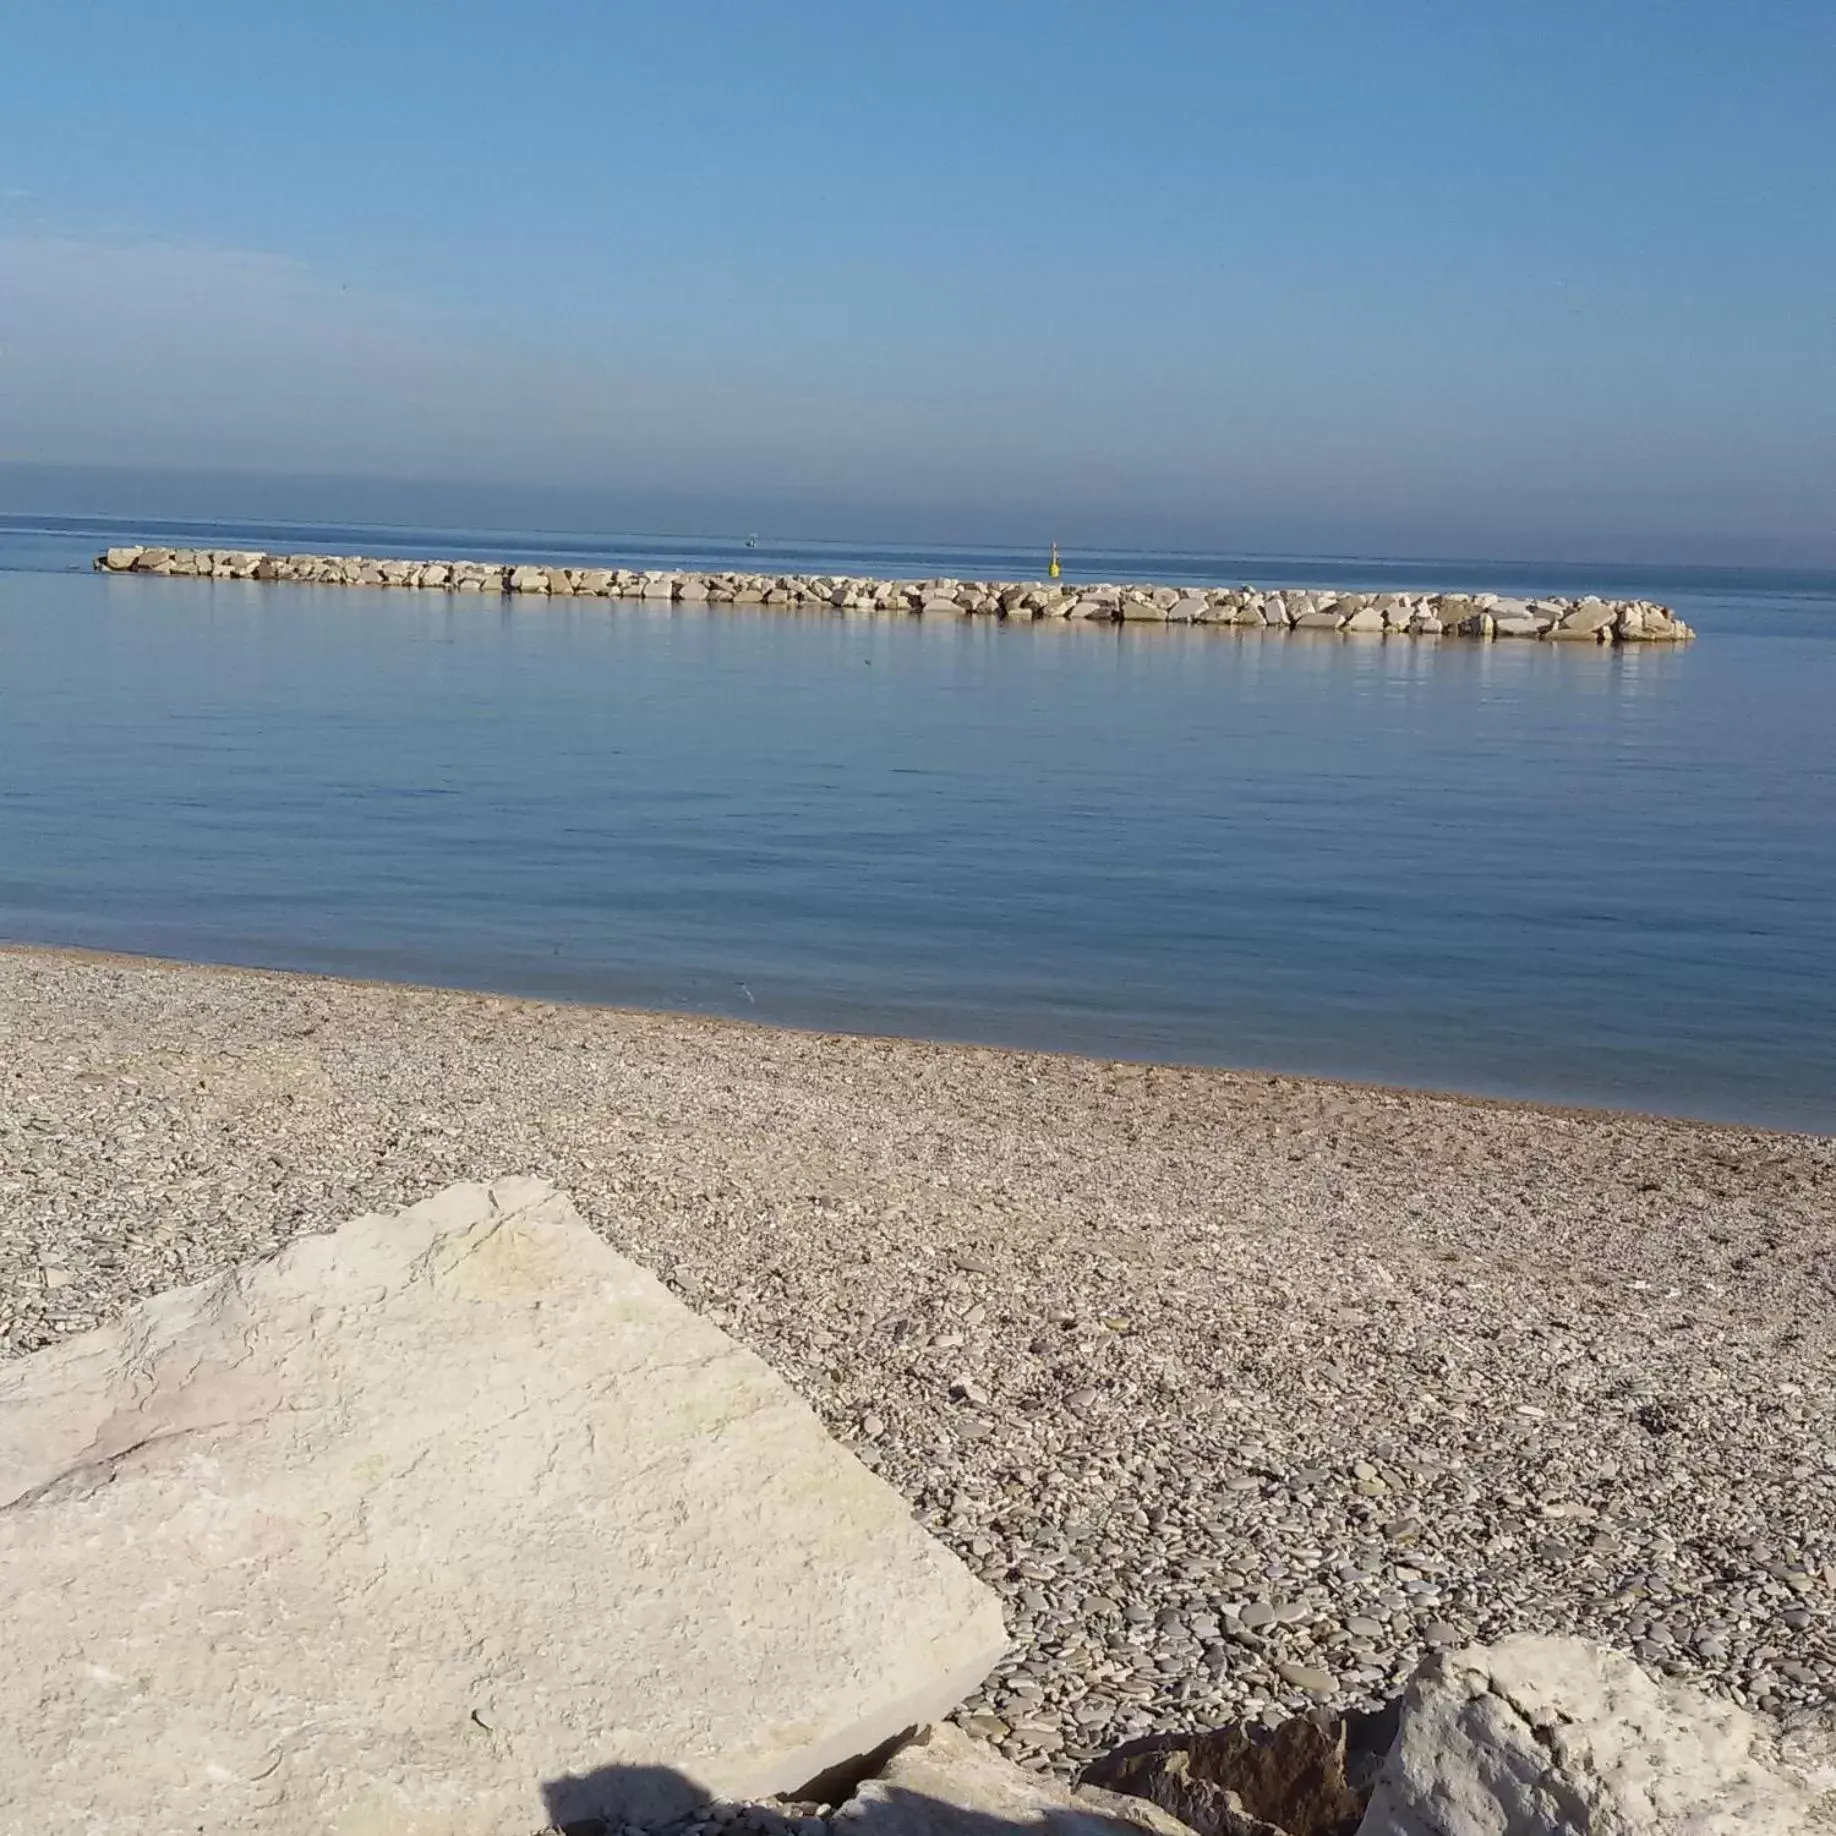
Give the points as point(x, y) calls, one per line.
point(1414, 614)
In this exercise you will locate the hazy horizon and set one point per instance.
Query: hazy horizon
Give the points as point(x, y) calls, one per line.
point(1249, 279)
point(126, 498)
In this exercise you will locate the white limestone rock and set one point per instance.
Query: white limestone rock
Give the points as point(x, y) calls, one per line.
point(1589, 619)
point(1639, 623)
point(943, 1783)
point(1539, 1736)
point(1142, 609)
point(444, 1524)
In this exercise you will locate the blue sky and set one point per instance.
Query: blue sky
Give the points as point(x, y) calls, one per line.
point(1375, 276)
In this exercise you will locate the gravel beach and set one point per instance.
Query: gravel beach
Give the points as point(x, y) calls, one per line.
point(1243, 1390)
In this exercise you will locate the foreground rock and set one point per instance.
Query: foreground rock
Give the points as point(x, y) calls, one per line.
point(1556, 1737)
point(943, 1783)
point(1411, 614)
point(1309, 1777)
point(1532, 1736)
point(450, 1522)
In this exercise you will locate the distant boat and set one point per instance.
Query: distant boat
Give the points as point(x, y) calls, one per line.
point(752, 541)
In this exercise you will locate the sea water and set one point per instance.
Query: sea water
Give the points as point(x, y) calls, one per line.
point(1590, 875)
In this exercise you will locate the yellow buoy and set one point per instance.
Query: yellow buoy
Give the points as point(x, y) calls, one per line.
point(1053, 569)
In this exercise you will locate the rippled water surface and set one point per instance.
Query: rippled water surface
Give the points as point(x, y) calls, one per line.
point(1602, 876)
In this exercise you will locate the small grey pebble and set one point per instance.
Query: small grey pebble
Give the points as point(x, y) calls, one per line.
point(990, 1728)
point(1305, 1676)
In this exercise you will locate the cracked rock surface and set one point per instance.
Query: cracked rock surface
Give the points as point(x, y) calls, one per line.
point(450, 1523)
point(1244, 1392)
point(1554, 1737)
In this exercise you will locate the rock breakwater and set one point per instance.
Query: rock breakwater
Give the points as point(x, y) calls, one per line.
point(1396, 614)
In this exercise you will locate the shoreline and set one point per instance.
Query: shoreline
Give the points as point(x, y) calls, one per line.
point(1242, 1393)
point(1259, 1074)
point(1325, 610)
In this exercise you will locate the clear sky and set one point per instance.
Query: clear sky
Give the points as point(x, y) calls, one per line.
point(1430, 276)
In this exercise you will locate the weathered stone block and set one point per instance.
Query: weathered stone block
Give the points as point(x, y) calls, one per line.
point(431, 1526)
point(1557, 1737)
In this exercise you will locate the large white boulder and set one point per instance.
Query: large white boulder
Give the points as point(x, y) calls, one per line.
point(444, 1524)
point(1537, 1736)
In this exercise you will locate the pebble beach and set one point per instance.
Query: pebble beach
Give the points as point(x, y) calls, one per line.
point(1243, 1390)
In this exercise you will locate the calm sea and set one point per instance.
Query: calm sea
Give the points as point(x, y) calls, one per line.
point(1550, 871)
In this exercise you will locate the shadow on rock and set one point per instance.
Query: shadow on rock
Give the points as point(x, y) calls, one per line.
point(940, 1783)
point(603, 1801)
point(1309, 1777)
